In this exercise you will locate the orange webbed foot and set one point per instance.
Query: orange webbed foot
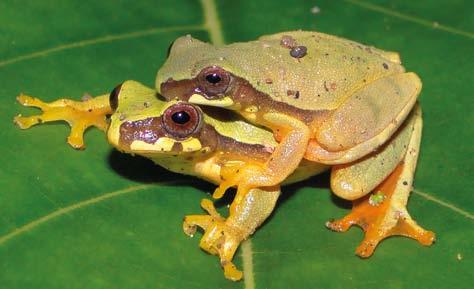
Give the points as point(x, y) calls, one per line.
point(381, 215)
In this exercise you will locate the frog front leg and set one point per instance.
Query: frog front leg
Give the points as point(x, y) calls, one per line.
point(223, 236)
point(284, 159)
point(79, 114)
point(390, 170)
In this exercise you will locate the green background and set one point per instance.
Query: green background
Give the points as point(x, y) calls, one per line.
point(100, 219)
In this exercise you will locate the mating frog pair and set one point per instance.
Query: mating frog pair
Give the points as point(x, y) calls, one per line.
point(330, 103)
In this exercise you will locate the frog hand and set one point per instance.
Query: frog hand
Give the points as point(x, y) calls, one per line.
point(79, 114)
point(219, 238)
point(282, 162)
point(244, 177)
point(383, 214)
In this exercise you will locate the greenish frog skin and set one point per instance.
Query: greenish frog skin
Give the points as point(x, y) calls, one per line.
point(328, 100)
point(334, 104)
point(377, 141)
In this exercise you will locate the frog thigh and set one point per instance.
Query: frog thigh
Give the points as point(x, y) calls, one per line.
point(354, 180)
point(366, 120)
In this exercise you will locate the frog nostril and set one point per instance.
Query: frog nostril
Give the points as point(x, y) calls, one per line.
point(113, 97)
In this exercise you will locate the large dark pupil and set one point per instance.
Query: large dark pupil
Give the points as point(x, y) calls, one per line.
point(180, 117)
point(213, 78)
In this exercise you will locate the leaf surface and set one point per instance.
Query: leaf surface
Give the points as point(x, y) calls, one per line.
point(100, 219)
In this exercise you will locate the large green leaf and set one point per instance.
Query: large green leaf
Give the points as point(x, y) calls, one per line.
point(99, 219)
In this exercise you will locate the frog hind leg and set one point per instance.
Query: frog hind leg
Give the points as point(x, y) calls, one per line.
point(283, 161)
point(79, 114)
point(223, 236)
point(365, 121)
point(383, 213)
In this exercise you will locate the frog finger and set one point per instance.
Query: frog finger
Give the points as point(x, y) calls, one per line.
point(231, 176)
point(26, 100)
point(76, 136)
point(208, 206)
point(29, 121)
point(190, 222)
point(231, 272)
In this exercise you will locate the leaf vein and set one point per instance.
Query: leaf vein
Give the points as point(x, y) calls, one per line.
point(93, 41)
point(410, 18)
point(444, 204)
point(247, 260)
point(65, 210)
point(212, 22)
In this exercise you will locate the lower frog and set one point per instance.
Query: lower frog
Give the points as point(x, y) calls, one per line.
point(180, 137)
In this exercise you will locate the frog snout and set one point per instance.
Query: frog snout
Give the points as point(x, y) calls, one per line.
point(148, 130)
point(178, 89)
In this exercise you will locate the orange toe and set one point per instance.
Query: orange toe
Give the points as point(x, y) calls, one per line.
point(379, 220)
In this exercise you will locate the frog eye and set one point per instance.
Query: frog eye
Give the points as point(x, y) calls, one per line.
point(182, 119)
point(113, 97)
point(214, 81)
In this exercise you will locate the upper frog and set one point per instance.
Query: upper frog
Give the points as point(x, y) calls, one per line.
point(330, 70)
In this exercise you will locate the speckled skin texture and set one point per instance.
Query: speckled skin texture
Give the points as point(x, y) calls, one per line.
point(327, 99)
point(351, 97)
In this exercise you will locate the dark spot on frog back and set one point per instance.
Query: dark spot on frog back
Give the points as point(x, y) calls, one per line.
point(299, 51)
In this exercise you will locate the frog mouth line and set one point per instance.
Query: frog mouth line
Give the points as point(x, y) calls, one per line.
point(201, 100)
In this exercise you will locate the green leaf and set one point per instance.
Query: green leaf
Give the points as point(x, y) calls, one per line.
point(100, 219)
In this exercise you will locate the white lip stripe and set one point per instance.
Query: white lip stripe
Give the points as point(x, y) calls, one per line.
point(199, 99)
